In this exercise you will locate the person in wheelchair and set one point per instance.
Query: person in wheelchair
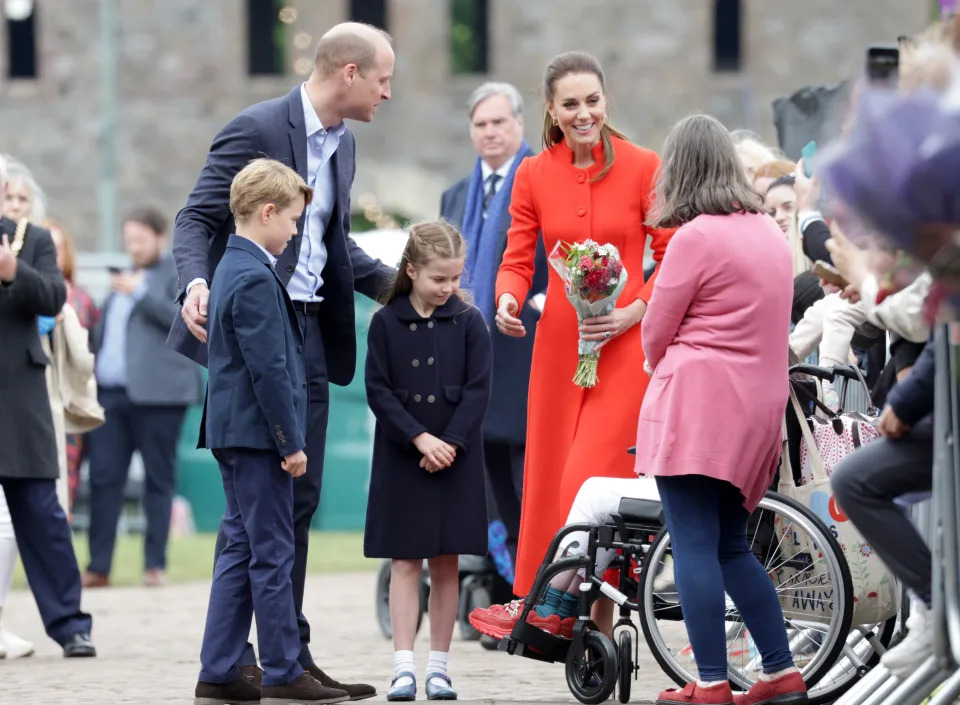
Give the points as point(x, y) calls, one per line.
point(716, 339)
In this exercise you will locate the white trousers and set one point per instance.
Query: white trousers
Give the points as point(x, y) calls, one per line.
point(598, 499)
point(8, 549)
point(829, 323)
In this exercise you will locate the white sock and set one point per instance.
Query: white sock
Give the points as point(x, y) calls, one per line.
point(403, 662)
point(709, 684)
point(437, 663)
point(778, 674)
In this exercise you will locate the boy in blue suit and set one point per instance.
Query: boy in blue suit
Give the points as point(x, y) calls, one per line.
point(256, 426)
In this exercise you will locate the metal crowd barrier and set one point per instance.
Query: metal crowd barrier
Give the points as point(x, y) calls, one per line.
point(939, 676)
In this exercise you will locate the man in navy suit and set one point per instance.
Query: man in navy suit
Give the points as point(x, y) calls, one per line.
point(479, 205)
point(321, 267)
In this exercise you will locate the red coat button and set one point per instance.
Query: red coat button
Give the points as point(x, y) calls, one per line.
point(581, 212)
point(581, 178)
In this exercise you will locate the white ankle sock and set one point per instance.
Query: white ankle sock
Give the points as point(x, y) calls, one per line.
point(778, 674)
point(709, 684)
point(403, 662)
point(437, 663)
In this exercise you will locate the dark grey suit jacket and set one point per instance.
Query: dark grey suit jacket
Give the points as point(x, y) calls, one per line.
point(156, 374)
point(275, 129)
point(28, 447)
point(506, 419)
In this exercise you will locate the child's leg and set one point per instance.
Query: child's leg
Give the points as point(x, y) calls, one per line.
point(404, 611)
point(230, 608)
point(444, 603)
point(265, 497)
point(839, 322)
point(807, 333)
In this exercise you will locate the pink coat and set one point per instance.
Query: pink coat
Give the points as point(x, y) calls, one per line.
point(716, 335)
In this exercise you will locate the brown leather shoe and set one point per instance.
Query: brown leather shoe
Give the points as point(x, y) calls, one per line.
point(356, 691)
point(238, 691)
point(253, 674)
point(154, 577)
point(95, 580)
point(305, 690)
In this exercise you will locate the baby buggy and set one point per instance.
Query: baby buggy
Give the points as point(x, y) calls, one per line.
point(801, 556)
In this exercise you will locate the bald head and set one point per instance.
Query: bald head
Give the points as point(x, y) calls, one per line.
point(351, 43)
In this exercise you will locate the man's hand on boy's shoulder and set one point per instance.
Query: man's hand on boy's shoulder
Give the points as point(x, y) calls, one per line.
point(295, 464)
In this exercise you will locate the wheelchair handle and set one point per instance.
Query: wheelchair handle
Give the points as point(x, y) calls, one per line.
point(823, 373)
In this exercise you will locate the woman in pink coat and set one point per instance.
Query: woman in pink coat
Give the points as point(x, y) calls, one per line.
point(715, 339)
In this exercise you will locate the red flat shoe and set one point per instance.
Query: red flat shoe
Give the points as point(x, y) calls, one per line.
point(499, 620)
point(692, 694)
point(785, 690)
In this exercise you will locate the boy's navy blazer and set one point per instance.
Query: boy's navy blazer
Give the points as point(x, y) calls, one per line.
point(257, 387)
point(275, 129)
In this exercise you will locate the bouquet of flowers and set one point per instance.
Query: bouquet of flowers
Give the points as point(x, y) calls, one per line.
point(593, 277)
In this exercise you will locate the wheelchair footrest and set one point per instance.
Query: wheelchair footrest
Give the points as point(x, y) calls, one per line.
point(533, 642)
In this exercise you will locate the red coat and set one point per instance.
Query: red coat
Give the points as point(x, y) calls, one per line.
point(574, 434)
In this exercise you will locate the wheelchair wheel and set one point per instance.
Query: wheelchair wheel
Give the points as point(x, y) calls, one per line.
point(625, 670)
point(383, 601)
point(862, 651)
point(812, 581)
point(592, 669)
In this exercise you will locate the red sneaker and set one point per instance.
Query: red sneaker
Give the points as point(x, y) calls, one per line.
point(785, 690)
point(693, 694)
point(498, 620)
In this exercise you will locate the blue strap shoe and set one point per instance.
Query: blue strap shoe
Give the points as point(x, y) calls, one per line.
point(403, 693)
point(439, 692)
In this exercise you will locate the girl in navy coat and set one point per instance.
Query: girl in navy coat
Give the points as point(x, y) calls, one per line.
point(428, 384)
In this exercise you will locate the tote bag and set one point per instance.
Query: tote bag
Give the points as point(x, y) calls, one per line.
point(876, 592)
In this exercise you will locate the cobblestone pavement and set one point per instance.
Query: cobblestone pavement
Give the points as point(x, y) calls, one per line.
point(149, 640)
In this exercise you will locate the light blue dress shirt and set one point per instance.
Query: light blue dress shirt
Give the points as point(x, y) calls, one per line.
point(321, 144)
point(111, 364)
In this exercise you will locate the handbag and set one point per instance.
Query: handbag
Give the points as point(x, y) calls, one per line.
point(74, 364)
point(876, 591)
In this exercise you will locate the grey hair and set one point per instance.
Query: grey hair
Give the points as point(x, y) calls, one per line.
point(492, 88)
point(3, 172)
point(18, 171)
point(700, 175)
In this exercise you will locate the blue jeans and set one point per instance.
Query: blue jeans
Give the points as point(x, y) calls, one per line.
point(708, 534)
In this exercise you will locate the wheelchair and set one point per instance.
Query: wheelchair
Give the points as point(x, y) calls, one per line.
point(801, 556)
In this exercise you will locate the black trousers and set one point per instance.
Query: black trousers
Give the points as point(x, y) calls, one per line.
point(306, 488)
point(867, 482)
point(46, 550)
point(505, 485)
point(154, 431)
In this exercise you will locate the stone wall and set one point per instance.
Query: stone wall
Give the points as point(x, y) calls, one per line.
point(181, 74)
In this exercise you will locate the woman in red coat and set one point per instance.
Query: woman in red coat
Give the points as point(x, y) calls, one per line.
point(589, 182)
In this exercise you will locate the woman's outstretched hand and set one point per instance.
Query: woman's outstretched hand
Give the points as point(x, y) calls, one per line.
point(507, 321)
point(606, 328)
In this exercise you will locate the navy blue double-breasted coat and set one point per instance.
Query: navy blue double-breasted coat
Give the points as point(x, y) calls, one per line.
point(427, 375)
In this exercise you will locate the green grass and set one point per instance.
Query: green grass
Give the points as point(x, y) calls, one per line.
point(191, 557)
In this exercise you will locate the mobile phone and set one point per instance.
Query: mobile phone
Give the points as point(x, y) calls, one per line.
point(883, 63)
point(114, 270)
point(809, 153)
point(829, 274)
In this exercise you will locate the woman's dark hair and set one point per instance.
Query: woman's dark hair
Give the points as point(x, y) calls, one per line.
point(435, 238)
point(700, 175)
point(563, 65)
